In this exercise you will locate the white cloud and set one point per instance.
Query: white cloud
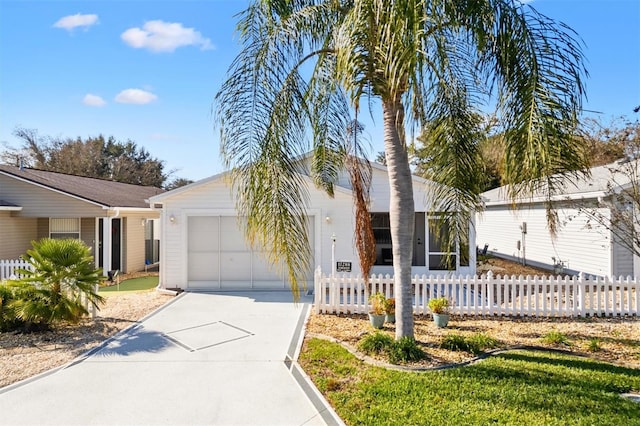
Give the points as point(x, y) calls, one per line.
point(72, 22)
point(135, 96)
point(160, 36)
point(93, 100)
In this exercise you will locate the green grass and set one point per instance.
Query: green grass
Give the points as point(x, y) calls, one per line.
point(519, 387)
point(132, 285)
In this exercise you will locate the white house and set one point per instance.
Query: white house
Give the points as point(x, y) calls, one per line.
point(581, 245)
point(204, 248)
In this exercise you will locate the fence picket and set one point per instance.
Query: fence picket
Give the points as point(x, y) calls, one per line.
point(484, 295)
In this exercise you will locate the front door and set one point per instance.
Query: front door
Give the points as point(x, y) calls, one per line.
point(116, 237)
point(116, 243)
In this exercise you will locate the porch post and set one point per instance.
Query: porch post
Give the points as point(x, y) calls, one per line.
point(106, 245)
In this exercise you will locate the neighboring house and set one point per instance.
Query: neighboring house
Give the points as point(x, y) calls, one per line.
point(205, 248)
point(110, 217)
point(581, 244)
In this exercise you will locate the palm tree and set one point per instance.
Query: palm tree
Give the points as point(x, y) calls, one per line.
point(62, 274)
point(306, 66)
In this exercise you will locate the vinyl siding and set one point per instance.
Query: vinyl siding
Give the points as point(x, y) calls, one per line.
point(622, 259)
point(583, 247)
point(16, 234)
point(40, 202)
point(133, 236)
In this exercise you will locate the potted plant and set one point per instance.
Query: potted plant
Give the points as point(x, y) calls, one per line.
point(439, 307)
point(390, 310)
point(376, 314)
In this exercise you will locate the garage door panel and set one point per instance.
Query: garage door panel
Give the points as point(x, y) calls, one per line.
point(236, 266)
point(203, 233)
point(203, 266)
point(232, 238)
point(263, 270)
point(219, 257)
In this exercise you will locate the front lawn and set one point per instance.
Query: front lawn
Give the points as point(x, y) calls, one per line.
point(519, 387)
point(132, 285)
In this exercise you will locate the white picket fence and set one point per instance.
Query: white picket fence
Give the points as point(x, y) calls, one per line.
point(488, 295)
point(8, 268)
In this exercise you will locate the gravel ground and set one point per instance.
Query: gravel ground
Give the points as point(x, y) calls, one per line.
point(25, 355)
point(618, 338)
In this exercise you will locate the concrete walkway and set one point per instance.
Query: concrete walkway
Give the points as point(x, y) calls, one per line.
point(215, 359)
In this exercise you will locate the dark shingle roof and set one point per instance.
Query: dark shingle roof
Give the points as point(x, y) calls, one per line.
point(4, 203)
point(104, 192)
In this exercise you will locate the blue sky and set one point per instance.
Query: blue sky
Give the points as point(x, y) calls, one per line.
point(148, 70)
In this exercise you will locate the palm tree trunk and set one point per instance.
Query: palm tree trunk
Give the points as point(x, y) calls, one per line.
point(401, 213)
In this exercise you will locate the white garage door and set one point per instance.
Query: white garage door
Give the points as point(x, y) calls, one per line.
point(218, 257)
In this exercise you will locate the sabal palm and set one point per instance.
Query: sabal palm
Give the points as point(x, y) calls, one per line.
point(306, 66)
point(62, 274)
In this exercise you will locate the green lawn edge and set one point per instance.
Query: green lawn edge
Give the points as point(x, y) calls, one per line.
point(515, 387)
point(131, 286)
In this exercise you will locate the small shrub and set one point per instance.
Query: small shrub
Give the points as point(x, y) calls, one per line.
point(376, 343)
point(455, 342)
point(377, 303)
point(439, 305)
point(594, 345)
point(475, 344)
point(390, 306)
point(8, 319)
point(479, 343)
point(405, 350)
point(557, 338)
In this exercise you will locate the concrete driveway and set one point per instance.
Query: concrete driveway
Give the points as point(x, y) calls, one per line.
point(205, 358)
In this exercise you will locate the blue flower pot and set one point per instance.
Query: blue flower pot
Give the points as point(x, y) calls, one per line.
point(377, 321)
point(441, 320)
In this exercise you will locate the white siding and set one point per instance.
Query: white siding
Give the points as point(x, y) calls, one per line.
point(583, 247)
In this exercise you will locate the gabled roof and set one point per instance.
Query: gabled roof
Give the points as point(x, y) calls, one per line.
point(225, 175)
point(103, 192)
point(597, 185)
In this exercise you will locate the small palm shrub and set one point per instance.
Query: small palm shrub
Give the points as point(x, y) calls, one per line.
point(405, 350)
point(480, 342)
point(594, 345)
point(556, 338)
point(475, 344)
point(455, 342)
point(63, 275)
point(375, 343)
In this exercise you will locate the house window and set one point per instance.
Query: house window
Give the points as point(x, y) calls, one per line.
point(382, 234)
point(443, 254)
point(431, 232)
point(440, 256)
point(60, 228)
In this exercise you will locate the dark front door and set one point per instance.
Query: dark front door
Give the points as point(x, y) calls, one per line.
point(116, 237)
point(100, 239)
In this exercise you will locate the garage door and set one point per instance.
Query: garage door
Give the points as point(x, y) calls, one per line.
point(218, 257)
